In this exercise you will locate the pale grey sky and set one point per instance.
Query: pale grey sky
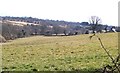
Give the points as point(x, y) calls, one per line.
point(68, 10)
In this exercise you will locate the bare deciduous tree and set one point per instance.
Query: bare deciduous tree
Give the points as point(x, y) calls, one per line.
point(94, 21)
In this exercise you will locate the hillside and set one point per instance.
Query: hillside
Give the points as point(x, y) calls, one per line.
point(20, 27)
point(50, 53)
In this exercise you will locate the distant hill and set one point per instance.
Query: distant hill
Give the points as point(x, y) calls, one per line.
point(41, 21)
point(18, 27)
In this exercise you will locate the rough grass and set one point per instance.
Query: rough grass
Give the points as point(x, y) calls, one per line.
point(61, 53)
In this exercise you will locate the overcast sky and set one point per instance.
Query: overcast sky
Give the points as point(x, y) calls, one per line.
point(68, 10)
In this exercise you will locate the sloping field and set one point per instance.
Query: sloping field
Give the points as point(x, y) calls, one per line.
point(18, 23)
point(50, 53)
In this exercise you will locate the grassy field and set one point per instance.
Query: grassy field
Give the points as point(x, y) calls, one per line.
point(61, 53)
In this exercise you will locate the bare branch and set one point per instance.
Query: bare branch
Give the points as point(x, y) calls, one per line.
point(112, 59)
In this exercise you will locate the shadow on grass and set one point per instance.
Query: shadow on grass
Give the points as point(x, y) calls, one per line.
point(74, 71)
point(101, 70)
point(50, 72)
